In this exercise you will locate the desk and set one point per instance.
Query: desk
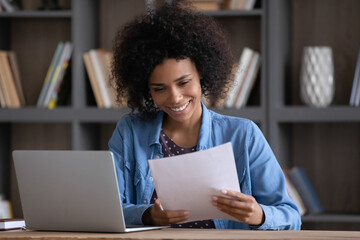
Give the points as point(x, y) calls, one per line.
point(182, 234)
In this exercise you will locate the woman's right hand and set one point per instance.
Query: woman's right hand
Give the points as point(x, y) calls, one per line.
point(156, 215)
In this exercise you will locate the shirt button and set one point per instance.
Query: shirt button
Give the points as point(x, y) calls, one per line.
point(145, 201)
point(151, 179)
point(157, 157)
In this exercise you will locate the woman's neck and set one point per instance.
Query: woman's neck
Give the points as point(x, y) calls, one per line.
point(185, 134)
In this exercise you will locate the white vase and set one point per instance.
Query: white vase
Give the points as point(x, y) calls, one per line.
point(317, 84)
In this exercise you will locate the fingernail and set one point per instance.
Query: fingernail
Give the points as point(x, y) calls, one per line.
point(214, 198)
point(224, 191)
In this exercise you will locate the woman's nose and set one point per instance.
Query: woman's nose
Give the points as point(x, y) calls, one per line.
point(175, 96)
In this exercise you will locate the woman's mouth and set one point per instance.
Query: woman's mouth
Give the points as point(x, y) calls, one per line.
point(181, 108)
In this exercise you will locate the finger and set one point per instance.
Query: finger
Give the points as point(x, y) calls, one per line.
point(176, 214)
point(166, 221)
point(169, 214)
point(169, 217)
point(233, 203)
point(232, 210)
point(178, 219)
point(251, 216)
point(234, 194)
point(158, 205)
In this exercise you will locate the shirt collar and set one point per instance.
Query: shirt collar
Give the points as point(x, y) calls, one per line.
point(156, 128)
point(205, 129)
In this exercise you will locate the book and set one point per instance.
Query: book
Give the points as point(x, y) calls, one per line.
point(5, 208)
point(100, 77)
point(98, 66)
point(206, 5)
point(62, 96)
point(239, 4)
point(8, 81)
point(249, 80)
point(60, 78)
point(16, 74)
point(93, 82)
point(58, 73)
point(9, 5)
point(11, 223)
point(50, 74)
point(250, 4)
point(105, 61)
point(355, 90)
point(239, 77)
point(294, 194)
point(303, 185)
point(2, 93)
point(3, 84)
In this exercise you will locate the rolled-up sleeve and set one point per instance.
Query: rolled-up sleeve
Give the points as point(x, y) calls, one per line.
point(120, 146)
point(268, 185)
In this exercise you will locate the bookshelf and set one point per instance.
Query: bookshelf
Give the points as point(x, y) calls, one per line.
point(323, 141)
point(299, 135)
point(235, 23)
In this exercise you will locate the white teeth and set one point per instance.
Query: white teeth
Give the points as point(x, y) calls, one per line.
point(180, 108)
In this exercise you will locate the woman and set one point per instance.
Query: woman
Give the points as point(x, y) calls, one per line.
point(164, 63)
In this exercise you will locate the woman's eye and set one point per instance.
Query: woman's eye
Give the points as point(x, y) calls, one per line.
point(158, 89)
point(184, 82)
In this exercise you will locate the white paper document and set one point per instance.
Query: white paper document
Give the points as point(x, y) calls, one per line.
point(188, 181)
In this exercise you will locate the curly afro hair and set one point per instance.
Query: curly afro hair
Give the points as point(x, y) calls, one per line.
point(173, 30)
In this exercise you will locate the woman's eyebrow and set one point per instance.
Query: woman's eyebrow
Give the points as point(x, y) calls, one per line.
point(176, 80)
point(182, 77)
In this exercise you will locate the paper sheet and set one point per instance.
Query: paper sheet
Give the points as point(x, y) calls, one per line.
point(188, 181)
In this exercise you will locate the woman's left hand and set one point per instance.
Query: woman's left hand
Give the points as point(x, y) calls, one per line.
point(241, 206)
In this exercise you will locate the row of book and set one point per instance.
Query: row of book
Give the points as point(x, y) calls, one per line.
point(355, 91)
point(98, 67)
point(98, 64)
point(11, 91)
point(214, 5)
point(246, 73)
point(301, 191)
point(55, 76)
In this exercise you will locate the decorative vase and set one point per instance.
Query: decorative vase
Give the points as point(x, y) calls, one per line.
point(317, 76)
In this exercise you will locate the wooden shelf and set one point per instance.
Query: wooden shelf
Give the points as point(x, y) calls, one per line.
point(37, 14)
point(335, 218)
point(297, 114)
point(61, 114)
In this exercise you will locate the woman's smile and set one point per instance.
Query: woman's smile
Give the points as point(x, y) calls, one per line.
point(181, 108)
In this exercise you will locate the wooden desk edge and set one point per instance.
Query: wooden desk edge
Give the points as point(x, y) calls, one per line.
point(182, 234)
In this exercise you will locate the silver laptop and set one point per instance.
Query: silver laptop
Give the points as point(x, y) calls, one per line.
point(70, 191)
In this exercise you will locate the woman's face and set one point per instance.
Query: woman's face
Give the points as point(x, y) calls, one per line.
point(175, 88)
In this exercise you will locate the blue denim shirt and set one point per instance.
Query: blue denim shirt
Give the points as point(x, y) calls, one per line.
point(134, 142)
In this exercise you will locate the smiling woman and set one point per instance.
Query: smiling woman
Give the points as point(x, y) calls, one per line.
point(175, 89)
point(163, 33)
point(164, 61)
